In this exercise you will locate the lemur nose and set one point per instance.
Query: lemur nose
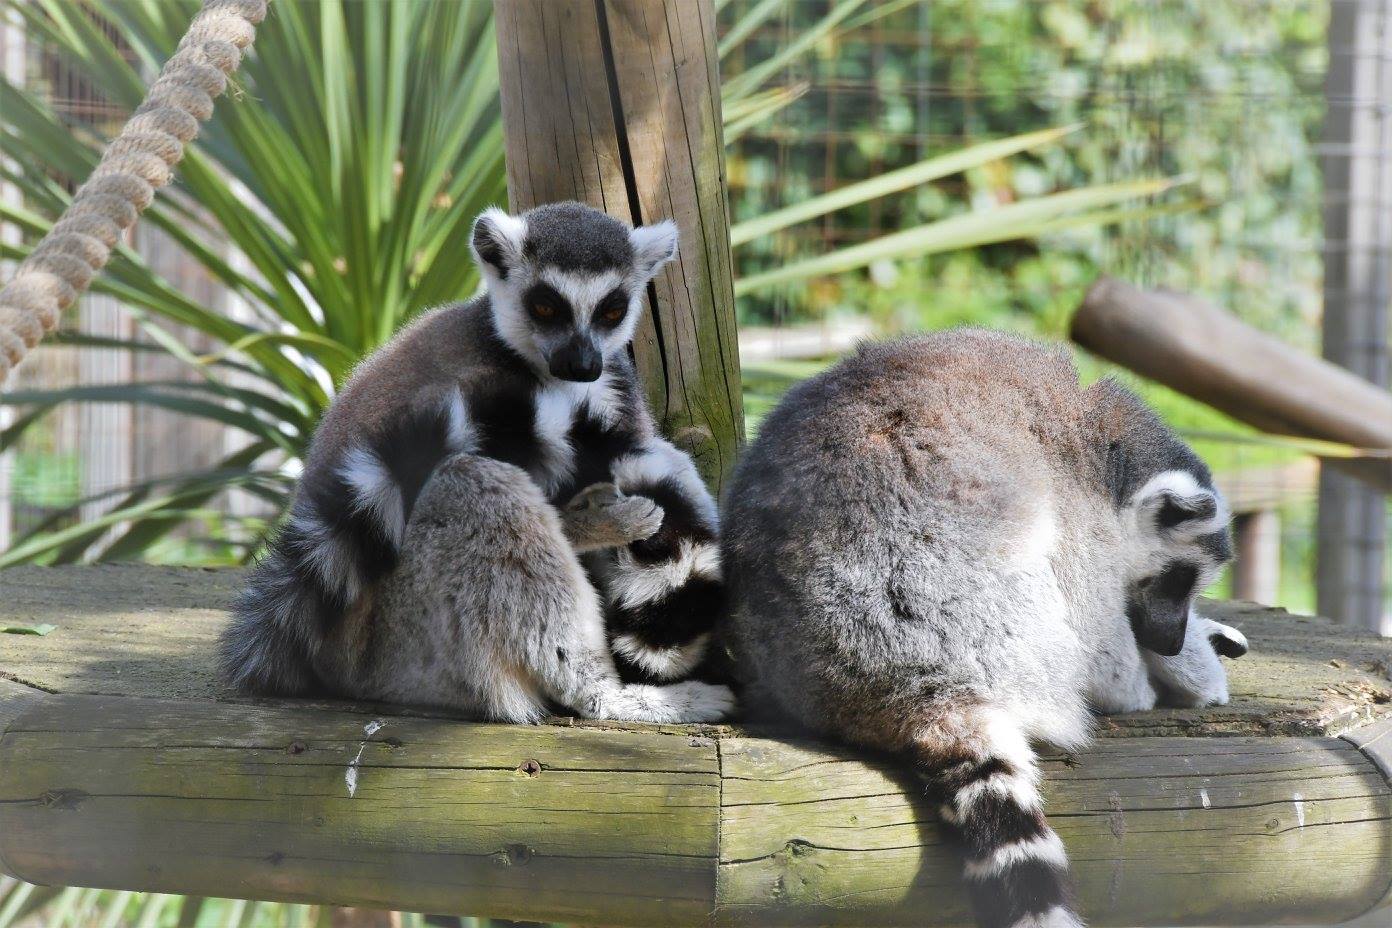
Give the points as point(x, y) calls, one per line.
point(581, 363)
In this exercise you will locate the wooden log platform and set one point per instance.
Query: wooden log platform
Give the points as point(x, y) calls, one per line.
point(123, 765)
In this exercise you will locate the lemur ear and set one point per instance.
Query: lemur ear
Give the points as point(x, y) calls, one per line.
point(1173, 510)
point(497, 242)
point(1176, 503)
point(653, 246)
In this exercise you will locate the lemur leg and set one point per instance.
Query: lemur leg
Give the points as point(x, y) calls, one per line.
point(664, 593)
point(1120, 678)
point(490, 611)
point(600, 517)
point(1195, 676)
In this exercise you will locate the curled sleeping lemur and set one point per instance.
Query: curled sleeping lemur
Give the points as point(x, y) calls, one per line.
point(433, 554)
point(944, 547)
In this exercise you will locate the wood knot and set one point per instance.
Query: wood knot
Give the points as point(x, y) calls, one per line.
point(62, 799)
point(296, 747)
point(530, 768)
point(274, 858)
point(514, 855)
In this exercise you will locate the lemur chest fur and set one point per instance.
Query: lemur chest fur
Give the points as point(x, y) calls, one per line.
point(565, 435)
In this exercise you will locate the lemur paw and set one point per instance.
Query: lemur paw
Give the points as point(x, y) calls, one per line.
point(690, 701)
point(1226, 640)
point(1195, 677)
point(702, 702)
point(599, 516)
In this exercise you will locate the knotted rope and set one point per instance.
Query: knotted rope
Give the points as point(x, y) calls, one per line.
point(136, 162)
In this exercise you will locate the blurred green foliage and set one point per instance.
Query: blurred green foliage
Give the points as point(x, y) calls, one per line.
point(1226, 93)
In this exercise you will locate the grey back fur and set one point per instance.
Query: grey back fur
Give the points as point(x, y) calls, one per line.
point(939, 546)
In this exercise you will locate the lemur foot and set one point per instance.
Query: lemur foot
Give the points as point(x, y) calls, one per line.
point(1195, 677)
point(691, 701)
point(1226, 640)
point(599, 516)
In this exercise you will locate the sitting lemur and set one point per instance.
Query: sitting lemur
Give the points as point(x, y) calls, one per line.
point(488, 519)
point(945, 548)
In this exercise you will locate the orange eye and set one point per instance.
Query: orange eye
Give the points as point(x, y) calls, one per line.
point(542, 311)
point(613, 314)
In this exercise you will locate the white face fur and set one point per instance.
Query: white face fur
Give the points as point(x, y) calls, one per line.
point(566, 322)
point(1177, 545)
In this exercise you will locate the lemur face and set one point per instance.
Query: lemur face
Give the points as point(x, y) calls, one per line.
point(1178, 545)
point(566, 283)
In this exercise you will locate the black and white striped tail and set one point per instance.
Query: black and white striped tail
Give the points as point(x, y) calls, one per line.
point(344, 534)
point(665, 593)
point(1016, 867)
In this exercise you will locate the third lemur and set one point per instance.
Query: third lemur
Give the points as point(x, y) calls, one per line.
point(944, 547)
point(433, 553)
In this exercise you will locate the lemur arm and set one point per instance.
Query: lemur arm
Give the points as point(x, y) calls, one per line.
point(600, 517)
point(664, 593)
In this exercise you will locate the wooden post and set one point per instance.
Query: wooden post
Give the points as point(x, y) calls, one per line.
point(1357, 169)
point(1256, 570)
point(616, 103)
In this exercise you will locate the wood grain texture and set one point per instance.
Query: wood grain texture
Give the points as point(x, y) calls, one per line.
point(616, 103)
point(1375, 741)
point(631, 826)
point(133, 630)
point(221, 799)
point(134, 772)
point(1176, 831)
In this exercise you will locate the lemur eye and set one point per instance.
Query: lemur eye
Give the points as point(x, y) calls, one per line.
point(543, 311)
point(612, 308)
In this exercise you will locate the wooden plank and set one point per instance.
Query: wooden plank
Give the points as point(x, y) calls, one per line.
point(616, 103)
point(1175, 831)
point(1203, 352)
point(121, 629)
point(133, 630)
point(317, 805)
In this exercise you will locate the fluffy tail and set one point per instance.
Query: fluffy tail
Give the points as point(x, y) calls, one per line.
point(980, 766)
point(343, 536)
point(269, 648)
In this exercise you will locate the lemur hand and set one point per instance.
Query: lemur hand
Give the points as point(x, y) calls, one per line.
point(599, 516)
point(1195, 677)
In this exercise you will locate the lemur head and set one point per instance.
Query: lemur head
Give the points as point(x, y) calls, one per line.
point(1174, 521)
point(566, 282)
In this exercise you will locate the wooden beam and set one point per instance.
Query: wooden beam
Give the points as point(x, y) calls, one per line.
point(1203, 352)
point(616, 103)
point(626, 825)
point(122, 765)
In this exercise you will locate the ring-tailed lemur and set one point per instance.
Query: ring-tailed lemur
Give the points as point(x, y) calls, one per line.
point(944, 547)
point(433, 549)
